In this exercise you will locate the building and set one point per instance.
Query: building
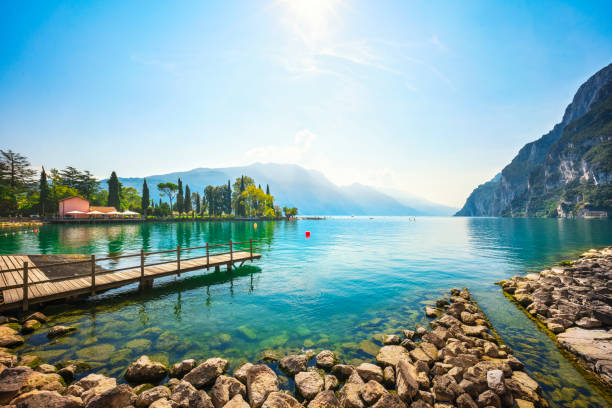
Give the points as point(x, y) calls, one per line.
point(595, 214)
point(77, 207)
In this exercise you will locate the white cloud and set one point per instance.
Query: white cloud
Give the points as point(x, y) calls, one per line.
point(294, 153)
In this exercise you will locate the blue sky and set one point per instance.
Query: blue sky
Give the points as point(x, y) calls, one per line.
point(426, 97)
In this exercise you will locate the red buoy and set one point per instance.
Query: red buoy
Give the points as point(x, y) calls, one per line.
point(307, 234)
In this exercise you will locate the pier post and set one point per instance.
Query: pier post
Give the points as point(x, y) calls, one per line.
point(142, 259)
point(251, 248)
point(25, 287)
point(93, 275)
point(207, 257)
point(178, 259)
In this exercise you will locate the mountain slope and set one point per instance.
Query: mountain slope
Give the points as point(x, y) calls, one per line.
point(309, 190)
point(504, 196)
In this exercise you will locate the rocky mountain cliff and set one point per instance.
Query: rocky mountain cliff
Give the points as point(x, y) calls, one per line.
point(565, 171)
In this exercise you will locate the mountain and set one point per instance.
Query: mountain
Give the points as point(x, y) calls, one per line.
point(308, 190)
point(564, 172)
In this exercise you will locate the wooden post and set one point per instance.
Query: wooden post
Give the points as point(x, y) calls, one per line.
point(25, 287)
point(251, 247)
point(207, 256)
point(231, 251)
point(178, 259)
point(93, 275)
point(142, 260)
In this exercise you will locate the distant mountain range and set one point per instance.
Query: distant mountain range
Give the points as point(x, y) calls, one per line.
point(308, 190)
point(565, 173)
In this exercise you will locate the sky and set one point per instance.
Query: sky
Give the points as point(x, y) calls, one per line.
point(426, 97)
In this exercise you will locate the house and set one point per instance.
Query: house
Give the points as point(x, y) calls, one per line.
point(69, 207)
point(595, 214)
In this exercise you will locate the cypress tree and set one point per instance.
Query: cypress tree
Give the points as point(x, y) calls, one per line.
point(114, 192)
point(44, 193)
point(180, 198)
point(228, 199)
point(144, 202)
point(241, 207)
point(198, 208)
point(187, 201)
point(267, 189)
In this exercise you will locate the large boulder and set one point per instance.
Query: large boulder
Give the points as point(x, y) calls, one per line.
point(390, 355)
point(309, 384)
point(369, 372)
point(281, 400)
point(350, 396)
point(178, 370)
point(19, 380)
point(91, 386)
point(406, 380)
point(206, 373)
point(46, 399)
point(291, 365)
point(225, 389)
point(241, 372)
point(326, 359)
point(144, 370)
point(372, 391)
point(261, 381)
point(119, 397)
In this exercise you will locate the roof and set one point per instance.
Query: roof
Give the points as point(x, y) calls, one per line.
point(102, 209)
point(71, 197)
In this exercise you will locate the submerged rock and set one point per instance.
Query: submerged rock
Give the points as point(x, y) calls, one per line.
point(144, 370)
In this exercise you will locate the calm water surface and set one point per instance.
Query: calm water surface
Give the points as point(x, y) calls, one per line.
point(353, 280)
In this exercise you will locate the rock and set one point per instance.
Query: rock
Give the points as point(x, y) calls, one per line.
point(39, 317)
point(30, 360)
point(281, 400)
point(149, 396)
point(46, 369)
point(489, 399)
point(261, 381)
point(163, 403)
point(466, 401)
point(225, 389)
point(342, 371)
point(524, 404)
point(355, 378)
point(331, 382)
point(592, 346)
point(11, 340)
point(430, 311)
point(372, 391)
point(60, 331)
point(389, 376)
point(68, 372)
point(421, 330)
point(350, 396)
point(445, 388)
point(390, 355)
point(185, 395)
point(13, 381)
point(178, 370)
point(324, 399)
point(241, 372)
point(406, 380)
point(46, 399)
point(524, 387)
point(117, 397)
point(326, 359)
point(206, 373)
point(392, 339)
point(555, 327)
point(389, 400)
point(430, 349)
point(309, 384)
point(409, 334)
point(588, 323)
point(495, 381)
point(418, 354)
point(30, 326)
point(91, 386)
point(237, 402)
point(8, 359)
point(291, 365)
point(370, 372)
point(144, 370)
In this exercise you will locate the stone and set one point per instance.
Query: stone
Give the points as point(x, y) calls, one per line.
point(389, 400)
point(237, 402)
point(555, 327)
point(178, 370)
point(151, 395)
point(524, 386)
point(369, 372)
point(144, 370)
point(291, 365)
point(325, 399)
point(342, 371)
point(392, 339)
point(39, 317)
point(206, 373)
point(8, 359)
point(241, 372)
point(430, 311)
point(68, 373)
point(495, 381)
point(330, 382)
point(430, 350)
point(409, 334)
point(524, 404)
point(489, 399)
point(60, 331)
point(389, 376)
point(308, 384)
point(185, 395)
point(13, 381)
point(281, 400)
point(225, 389)
point(117, 397)
point(29, 326)
point(445, 388)
point(325, 359)
point(371, 392)
point(261, 381)
point(163, 403)
point(466, 401)
point(91, 386)
point(46, 369)
point(418, 354)
point(406, 380)
point(11, 340)
point(46, 399)
point(588, 323)
point(350, 396)
point(30, 360)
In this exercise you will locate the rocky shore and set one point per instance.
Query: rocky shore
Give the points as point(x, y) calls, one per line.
point(574, 302)
point(457, 362)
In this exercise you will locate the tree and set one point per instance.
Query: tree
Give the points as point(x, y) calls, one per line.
point(114, 192)
point(228, 199)
point(195, 199)
point(130, 199)
point(209, 197)
point(187, 201)
point(240, 186)
point(144, 203)
point(16, 182)
point(180, 197)
point(83, 181)
point(267, 189)
point(169, 189)
point(44, 194)
point(290, 211)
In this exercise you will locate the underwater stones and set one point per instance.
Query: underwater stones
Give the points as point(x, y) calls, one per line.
point(206, 372)
point(144, 370)
point(370, 372)
point(372, 391)
point(117, 397)
point(151, 395)
point(325, 359)
point(293, 364)
point(406, 380)
point(368, 347)
point(390, 355)
point(167, 341)
point(46, 399)
point(178, 370)
point(261, 381)
point(309, 384)
point(29, 326)
point(247, 332)
point(139, 345)
point(324, 399)
point(57, 331)
point(225, 389)
point(100, 352)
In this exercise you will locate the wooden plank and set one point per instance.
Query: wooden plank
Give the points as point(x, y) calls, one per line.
point(18, 276)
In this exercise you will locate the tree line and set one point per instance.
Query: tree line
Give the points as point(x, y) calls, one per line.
point(22, 194)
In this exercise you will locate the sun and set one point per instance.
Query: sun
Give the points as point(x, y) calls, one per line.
point(310, 20)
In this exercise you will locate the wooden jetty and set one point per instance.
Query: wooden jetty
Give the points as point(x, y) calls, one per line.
point(22, 283)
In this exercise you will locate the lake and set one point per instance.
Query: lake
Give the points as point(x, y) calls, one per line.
point(351, 281)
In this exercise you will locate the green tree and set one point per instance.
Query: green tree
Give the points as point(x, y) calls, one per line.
point(290, 211)
point(267, 189)
point(114, 192)
point(228, 199)
point(187, 201)
point(180, 197)
point(240, 185)
point(144, 204)
point(169, 189)
point(16, 182)
point(130, 199)
point(197, 202)
point(44, 194)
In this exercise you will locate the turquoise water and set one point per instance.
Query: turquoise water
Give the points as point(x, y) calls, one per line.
point(353, 280)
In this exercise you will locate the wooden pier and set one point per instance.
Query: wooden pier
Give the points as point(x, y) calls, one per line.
point(22, 283)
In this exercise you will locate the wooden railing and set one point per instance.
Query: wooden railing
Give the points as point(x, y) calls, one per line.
point(26, 281)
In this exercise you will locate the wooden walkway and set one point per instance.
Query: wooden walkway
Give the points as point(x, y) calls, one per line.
point(38, 287)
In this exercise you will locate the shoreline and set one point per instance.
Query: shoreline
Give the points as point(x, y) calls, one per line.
point(568, 303)
point(459, 361)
